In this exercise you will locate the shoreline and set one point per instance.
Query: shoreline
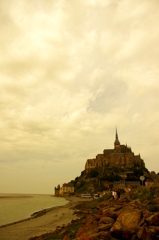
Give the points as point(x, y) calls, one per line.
point(34, 215)
point(42, 222)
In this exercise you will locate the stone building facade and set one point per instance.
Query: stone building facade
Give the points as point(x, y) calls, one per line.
point(66, 190)
point(121, 156)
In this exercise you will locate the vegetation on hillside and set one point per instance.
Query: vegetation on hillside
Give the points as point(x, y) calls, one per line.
point(149, 196)
point(96, 179)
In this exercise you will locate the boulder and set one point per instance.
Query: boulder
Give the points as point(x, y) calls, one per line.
point(106, 220)
point(153, 220)
point(110, 212)
point(126, 224)
point(146, 213)
point(104, 227)
point(144, 233)
point(101, 236)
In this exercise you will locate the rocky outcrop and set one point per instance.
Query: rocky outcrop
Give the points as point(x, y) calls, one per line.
point(122, 219)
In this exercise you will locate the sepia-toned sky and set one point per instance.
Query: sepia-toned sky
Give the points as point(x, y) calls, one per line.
point(70, 72)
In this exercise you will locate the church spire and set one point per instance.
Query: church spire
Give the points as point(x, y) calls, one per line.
point(116, 139)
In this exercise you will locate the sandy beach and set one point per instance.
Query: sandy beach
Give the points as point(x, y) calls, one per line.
point(47, 222)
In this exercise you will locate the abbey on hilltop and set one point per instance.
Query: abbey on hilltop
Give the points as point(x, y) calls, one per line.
point(117, 168)
point(121, 156)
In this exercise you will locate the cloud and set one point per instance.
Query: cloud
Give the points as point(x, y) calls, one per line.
point(69, 73)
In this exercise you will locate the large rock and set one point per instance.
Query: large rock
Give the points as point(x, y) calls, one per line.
point(106, 220)
point(126, 224)
point(146, 213)
point(104, 227)
point(110, 212)
point(154, 230)
point(144, 233)
point(101, 235)
point(153, 220)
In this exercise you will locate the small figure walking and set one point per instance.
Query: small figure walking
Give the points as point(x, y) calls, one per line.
point(113, 194)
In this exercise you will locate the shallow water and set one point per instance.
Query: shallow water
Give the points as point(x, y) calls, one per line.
point(14, 207)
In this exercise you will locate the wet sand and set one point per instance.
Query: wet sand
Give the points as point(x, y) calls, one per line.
point(44, 222)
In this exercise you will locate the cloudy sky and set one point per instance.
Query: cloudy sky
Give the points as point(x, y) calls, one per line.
point(70, 71)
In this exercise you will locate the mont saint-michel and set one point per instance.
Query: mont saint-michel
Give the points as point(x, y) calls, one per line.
point(121, 156)
point(118, 167)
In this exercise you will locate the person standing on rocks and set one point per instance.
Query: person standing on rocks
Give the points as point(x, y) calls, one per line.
point(115, 195)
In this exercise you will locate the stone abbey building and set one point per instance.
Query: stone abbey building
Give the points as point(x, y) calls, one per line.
point(121, 156)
